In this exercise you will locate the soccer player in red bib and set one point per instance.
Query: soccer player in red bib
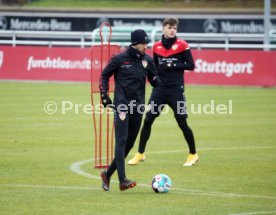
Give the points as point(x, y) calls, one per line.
point(172, 56)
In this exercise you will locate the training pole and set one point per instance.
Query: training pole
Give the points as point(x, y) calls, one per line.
point(103, 119)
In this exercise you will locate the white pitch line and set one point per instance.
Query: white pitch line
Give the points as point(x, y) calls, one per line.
point(76, 168)
point(55, 187)
point(253, 213)
point(222, 194)
point(217, 149)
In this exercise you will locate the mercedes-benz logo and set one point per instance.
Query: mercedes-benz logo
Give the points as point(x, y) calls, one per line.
point(3, 23)
point(210, 26)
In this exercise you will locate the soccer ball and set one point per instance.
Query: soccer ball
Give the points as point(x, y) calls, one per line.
point(161, 183)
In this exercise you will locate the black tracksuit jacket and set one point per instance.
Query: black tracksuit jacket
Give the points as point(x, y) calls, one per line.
point(130, 69)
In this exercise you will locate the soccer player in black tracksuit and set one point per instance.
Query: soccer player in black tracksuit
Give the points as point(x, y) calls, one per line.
point(130, 69)
point(172, 56)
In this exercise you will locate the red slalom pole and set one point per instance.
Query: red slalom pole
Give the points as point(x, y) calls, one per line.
point(100, 55)
point(105, 24)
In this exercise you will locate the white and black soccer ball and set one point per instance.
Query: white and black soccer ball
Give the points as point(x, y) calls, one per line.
point(161, 183)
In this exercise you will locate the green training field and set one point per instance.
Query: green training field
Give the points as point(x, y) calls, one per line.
point(46, 160)
point(145, 4)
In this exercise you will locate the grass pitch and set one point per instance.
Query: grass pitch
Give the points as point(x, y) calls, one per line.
point(41, 172)
point(146, 4)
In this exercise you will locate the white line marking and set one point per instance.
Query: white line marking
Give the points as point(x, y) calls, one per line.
point(222, 194)
point(253, 213)
point(76, 168)
point(217, 149)
point(50, 187)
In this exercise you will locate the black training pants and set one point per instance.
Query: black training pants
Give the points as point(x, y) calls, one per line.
point(173, 96)
point(127, 126)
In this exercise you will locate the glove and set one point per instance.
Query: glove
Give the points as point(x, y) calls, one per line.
point(163, 66)
point(168, 65)
point(155, 81)
point(106, 101)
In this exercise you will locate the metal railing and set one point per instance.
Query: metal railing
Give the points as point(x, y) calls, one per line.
point(86, 39)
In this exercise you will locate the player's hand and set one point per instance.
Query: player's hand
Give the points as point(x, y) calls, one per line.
point(165, 66)
point(155, 81)
point(106, 101)
point(168, 65)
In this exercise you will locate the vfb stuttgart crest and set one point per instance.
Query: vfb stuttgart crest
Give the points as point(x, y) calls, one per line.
point(174, 47)
point(122, 116)
point(145, 63)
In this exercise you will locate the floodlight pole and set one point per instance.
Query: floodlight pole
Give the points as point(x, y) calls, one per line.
point(267, 9)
